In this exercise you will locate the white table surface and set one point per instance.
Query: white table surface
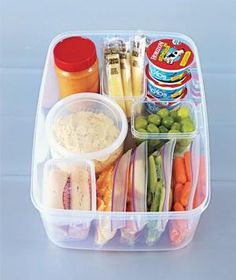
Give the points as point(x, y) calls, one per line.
point(26, 29)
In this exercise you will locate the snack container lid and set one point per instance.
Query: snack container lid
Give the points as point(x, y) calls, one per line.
point(74, 54)
point(170, 54)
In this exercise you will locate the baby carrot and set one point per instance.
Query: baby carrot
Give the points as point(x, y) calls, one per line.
point(179, 170)
point(177, 192)
point(184, 199)
point(187, 161)
point(100, 204)
point(178, 207)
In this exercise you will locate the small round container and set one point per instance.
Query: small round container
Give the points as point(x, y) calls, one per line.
point(169, 60)
point(76, 65)
point(94, 103)
point(171, 92)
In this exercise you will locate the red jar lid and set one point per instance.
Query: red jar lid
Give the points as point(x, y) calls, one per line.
point(75, 54)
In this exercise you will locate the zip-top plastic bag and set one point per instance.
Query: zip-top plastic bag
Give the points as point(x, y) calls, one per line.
point(185, 179)
point(112, 196)
point(137, 193)
point(200, 193)
point(70, 185)
point(159, 189)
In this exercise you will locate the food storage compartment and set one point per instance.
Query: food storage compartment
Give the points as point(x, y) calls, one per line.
point(140, 197)
point(123, 60)
point(67, 186)
point(150, 120)
point(101, 128)
point(174, 231)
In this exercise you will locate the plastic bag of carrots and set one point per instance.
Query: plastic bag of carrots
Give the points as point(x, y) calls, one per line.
point(184, 184)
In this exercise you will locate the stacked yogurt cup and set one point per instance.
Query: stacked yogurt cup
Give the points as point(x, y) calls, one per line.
point(168, 72)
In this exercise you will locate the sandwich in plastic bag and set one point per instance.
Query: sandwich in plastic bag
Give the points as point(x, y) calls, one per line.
point(70, 185)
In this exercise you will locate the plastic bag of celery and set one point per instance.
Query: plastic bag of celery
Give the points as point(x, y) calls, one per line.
point(137, 194)
point(159, 195)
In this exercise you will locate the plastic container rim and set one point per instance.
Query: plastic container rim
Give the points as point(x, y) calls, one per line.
point(57, 38)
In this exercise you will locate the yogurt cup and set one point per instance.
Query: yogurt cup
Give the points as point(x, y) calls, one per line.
point(169, 59)
point(170, 92)
point(155, 104)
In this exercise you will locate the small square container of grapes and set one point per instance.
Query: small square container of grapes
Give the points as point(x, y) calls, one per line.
point(151, 122)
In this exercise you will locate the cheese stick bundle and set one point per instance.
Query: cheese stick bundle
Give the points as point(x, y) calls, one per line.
point(124, 70)
point(113, 72)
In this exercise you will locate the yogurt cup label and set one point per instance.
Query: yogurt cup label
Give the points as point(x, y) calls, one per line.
point(155, 104)
point(166, 91)
point(170, 54)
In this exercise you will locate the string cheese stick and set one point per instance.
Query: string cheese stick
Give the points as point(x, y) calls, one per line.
point(126, 76)
point(113, 75)
point(138, 44)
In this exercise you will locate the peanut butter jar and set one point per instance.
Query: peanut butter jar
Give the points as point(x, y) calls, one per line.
point(76, 66)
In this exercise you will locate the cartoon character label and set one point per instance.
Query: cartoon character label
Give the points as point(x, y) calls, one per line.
point(170, 54)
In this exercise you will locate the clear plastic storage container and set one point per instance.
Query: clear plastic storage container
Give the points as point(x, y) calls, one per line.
point(77, 229)
point(87, 103)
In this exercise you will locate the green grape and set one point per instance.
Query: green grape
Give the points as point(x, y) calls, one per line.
point(184, 142)
point(176, 126)
point(142, 130)
point(163, 113)
point(183, 112)
point(173, 114)
point(155, 119)
point(152, 128)
point(163, 129)
point(187, 125)
point(167, 122)
point(174, 131)
point(140, 122)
